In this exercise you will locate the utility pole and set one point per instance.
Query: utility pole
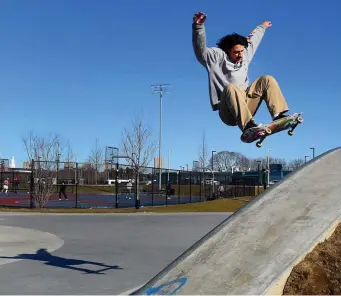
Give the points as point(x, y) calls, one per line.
point(160, 89)
point(258, 162)
point(168, 166)
point(213, 174)
point(268, 156)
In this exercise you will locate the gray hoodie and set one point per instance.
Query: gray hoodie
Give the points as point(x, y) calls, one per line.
point(221, 71)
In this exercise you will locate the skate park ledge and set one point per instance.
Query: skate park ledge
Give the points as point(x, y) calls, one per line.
point(254, 250)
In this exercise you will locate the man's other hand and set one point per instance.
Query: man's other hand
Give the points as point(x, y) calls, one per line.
point(199, 18)
point(267, 24)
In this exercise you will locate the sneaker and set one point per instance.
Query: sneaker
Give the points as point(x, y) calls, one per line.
point(252, 123)
point(280, 115)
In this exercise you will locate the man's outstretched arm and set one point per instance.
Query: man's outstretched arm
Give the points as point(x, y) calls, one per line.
point(202, 52)
point(256, 36)
point(199, 37)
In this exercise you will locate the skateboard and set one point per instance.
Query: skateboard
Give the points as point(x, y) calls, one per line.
point(260, 133)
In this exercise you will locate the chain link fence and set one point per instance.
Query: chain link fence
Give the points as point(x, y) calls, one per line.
point(111, 185)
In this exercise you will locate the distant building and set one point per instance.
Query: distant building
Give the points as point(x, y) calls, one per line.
point(69, 165)
point(27, 165)
point(276, 167)
point(87, 165)
point(12, 163)
point(157, 163)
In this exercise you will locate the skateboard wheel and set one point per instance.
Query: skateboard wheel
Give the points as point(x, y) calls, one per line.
point(259, 144)
point(290, 133)
point(299, 119)
point(268, 131)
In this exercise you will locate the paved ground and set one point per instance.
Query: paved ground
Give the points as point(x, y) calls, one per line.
point(129, 248)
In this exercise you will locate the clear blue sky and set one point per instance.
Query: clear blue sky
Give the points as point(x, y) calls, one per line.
point(84, 68)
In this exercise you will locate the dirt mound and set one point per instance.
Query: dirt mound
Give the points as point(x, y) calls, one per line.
point(320, 271)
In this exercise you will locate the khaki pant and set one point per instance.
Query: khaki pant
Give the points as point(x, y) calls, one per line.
point(237, 106)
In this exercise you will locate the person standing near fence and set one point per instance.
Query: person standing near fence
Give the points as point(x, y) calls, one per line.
point(5, 186)
point(16, 184)
point(264, 178)
point(129, 187)
point(221, 191)
point(62, 189)
point(168, 190)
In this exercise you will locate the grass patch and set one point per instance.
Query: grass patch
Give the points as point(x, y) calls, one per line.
point(221, 205)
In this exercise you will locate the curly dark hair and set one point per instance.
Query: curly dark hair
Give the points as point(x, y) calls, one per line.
point(228, 41)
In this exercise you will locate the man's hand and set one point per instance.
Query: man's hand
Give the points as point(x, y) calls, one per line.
point(267, 24)
point(199, 18)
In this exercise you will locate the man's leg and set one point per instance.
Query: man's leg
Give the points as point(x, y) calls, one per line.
point(233, 108)
point(267, 88)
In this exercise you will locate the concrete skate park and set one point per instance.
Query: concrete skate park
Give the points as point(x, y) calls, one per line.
point(251, 251)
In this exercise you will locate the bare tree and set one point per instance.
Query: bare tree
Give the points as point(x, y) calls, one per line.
point(196, 166)
point(243, 162)
point(257, 162)
point(227, 160)
point(69, 155)
point(203, 153)
point(96, 159)
point(43, 153)
point(296, 163)
point(138, 148)
point(278, 160)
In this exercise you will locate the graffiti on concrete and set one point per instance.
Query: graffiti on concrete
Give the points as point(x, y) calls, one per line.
point(168, 288)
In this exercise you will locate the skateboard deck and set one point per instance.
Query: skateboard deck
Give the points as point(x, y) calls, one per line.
point(260, 133)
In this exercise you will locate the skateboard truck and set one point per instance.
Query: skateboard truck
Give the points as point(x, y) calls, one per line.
point(298, 121)
point(263, 135)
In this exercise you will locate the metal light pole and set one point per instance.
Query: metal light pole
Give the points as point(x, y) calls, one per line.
point(269, 166)
point(212, 174)
point(195, 166)
point(161, 89)
point(112, 155)
point(212, 159)
point(313, 148)
point(305, 158)
point(168, 165)
point(258, 162)
point(58, 160)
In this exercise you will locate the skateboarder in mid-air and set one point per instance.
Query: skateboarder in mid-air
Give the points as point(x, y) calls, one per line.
point(227, 65)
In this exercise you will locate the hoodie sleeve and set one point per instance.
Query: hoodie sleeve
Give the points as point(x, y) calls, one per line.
point(204, 54)
point(254, 40)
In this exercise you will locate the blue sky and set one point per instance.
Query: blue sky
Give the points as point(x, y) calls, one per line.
point(84, 69)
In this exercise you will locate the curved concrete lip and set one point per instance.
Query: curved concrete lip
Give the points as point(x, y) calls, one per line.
point(17, 240)
point(252, 251)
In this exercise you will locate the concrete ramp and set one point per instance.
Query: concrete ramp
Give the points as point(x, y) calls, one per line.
point(254, 250)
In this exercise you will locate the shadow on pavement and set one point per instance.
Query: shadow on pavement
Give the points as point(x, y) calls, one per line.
point(44, 255)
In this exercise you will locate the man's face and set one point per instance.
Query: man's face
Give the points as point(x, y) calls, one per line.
point(236, 53)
